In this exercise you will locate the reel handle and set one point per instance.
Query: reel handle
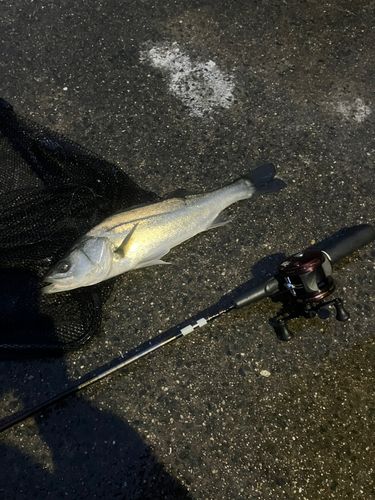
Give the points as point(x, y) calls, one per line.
point(348, 241)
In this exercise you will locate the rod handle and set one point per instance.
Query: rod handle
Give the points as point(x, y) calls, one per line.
point(257, 292)
point(348, 241)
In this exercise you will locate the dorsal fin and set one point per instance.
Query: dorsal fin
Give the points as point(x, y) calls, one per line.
point(178, 193)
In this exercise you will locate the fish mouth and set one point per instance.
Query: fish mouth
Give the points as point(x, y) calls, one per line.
point(52, 288)
point(56, 284)
point(56, 287)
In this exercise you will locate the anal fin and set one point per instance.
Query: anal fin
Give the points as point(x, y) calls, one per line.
point(148, 263)
point(220, 220)
point(154, 258)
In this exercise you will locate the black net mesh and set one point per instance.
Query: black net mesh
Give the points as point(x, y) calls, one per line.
point(52, 191)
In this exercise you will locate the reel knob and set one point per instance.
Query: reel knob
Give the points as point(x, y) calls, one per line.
point(341, 313)
point(282, 331)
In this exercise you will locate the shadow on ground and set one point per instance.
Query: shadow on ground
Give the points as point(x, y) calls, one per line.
point(79, 451)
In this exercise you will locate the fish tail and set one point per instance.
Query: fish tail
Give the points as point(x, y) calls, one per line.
point(263, 179)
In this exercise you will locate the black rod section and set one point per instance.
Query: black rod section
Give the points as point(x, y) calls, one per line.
point(138, 352)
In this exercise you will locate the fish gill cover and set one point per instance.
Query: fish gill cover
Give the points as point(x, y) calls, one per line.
point(52, 191)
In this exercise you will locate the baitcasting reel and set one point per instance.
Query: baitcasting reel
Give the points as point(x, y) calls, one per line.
point(304, 280)
point(307, 278)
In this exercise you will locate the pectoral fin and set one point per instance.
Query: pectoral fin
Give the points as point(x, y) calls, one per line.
point(121, 250)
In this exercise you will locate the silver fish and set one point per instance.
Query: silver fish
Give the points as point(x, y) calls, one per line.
point(141, 236)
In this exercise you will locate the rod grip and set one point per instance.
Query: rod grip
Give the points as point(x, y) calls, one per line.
point(348, 241)
point(257, 292)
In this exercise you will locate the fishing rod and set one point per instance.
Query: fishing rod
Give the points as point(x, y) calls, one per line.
point(302, 283)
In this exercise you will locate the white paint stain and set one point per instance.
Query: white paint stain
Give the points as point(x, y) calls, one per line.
point(202, 87)
point(358, 110)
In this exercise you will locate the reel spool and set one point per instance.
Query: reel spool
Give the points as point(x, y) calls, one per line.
point(307, 275)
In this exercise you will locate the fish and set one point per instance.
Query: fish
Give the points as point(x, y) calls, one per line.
point(140, 236)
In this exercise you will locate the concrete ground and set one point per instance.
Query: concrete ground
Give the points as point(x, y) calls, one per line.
point(194, 94)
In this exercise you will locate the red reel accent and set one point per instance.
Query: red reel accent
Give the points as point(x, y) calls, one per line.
point(301, 263)
point(305, 277)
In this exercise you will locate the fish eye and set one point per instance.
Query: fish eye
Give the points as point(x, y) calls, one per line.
point(63, 266)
